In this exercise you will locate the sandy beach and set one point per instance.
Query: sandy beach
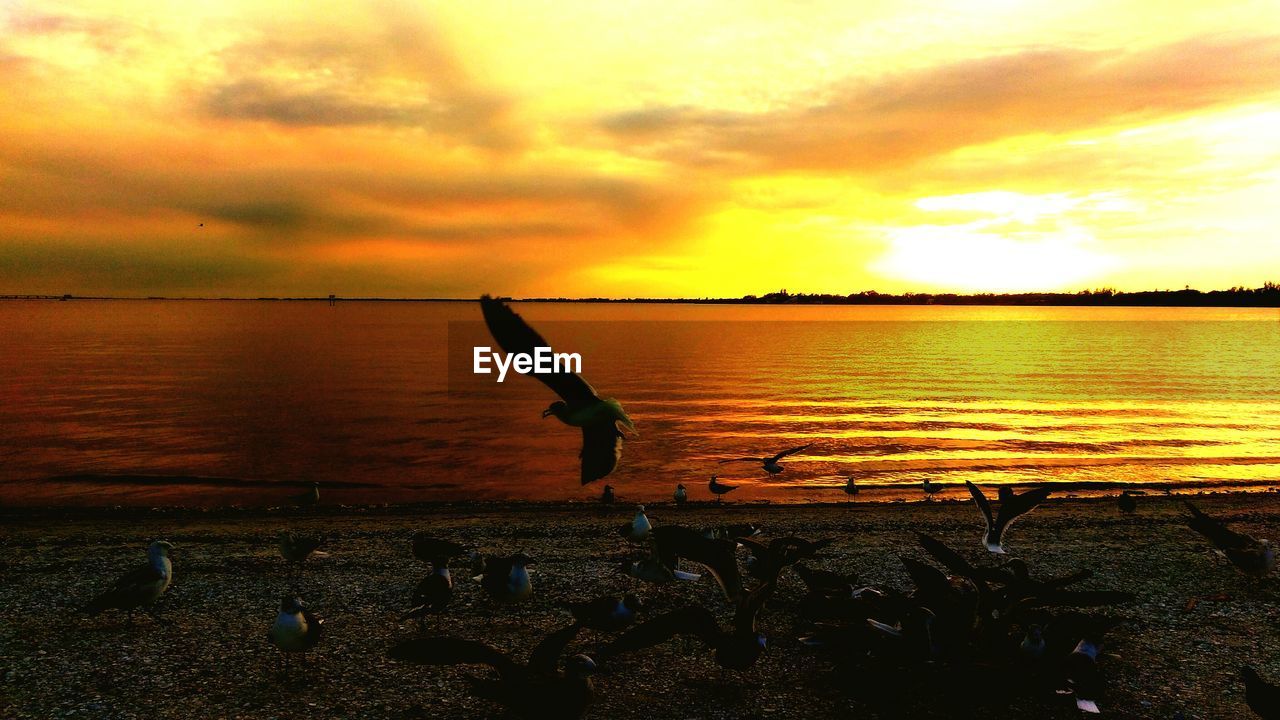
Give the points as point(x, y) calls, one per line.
point(1194, 623)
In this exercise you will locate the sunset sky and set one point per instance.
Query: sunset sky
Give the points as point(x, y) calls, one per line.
point(623, 149)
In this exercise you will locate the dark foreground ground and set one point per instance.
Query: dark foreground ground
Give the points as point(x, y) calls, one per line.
point(208, 657)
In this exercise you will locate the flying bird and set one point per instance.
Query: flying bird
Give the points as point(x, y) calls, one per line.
point(141, 587)
point(579, 405)
point(536, 689)
point(1012, 507)
point(771, 465)
point(1251, 556)
point(672, 543)
point(1262, 697)
point(718, 488)
point(295, 630)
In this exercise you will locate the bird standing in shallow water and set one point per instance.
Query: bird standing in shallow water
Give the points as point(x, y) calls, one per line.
point(295, 630)
point(718, 488)
point(141, 587)
point(579, 405)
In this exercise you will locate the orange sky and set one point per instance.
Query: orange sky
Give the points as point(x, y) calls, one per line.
point(659, 149)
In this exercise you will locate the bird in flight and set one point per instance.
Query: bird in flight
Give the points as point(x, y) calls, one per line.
point(579, 405)
point(1012, 507)
point(771, 465)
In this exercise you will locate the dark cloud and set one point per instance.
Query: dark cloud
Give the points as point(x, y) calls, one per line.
point(871, 125)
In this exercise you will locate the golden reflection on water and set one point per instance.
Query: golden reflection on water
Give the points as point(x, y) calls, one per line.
point(360, 397)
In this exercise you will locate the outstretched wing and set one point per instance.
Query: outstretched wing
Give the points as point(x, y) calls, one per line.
point(601, 450)
point(983, 505)
point(792, 451)
point(1216, 531)
point(743, 459)
point(514, 335)
point(744, 620)
point(544, 659)
point(689, 620)
point(1018, 505)
point(453, 651)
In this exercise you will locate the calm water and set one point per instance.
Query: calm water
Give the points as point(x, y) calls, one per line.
point(376, 402)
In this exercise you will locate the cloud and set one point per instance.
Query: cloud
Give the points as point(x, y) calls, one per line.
point(864, 126)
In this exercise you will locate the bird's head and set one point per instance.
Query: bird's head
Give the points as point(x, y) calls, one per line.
point(557, 408)
point(161, 548)
point(679, 486)
point(291, 603)
point(579, 666)
point(520, 560)
point(639, 508)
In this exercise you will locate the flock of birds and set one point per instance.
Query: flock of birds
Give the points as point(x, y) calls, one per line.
point(959, 622)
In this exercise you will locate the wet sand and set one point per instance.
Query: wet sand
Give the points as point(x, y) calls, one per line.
point(208, 656)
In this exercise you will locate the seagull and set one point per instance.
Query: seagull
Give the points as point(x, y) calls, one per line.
point(651, 569)
point(1126, 502)
point(1262, 697)
point(431, 595)
point(1251, 556)
point(307, 498)
point(579, 405)
point(606, 497)
point(672, 543)
point(1012, 507)
point(535, 689)
point(718, 488)
point(736, 648)
point(639, 527)
point(507, 579)
point(930, 488)
point(295, 549)
point(850, 488)
point(681, 496)
point(771, 465)
point(605, 614)
point(141, 587)
point(296, 629)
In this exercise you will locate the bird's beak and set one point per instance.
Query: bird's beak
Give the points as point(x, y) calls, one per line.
point(546, 414)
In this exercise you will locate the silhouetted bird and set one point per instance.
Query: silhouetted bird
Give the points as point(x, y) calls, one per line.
point(930, 488)
point(736, 648)
point(141, 587)
point(606, 496)
point(1012, 507)
point(431, 595)
point(536, 689)
point(295, 630)
point(1251, 556)
point(1263, 697)
point(672, 543)
point(639, 527)
point(436, 551)
point(850, 488)
point(681, 496)
point(718, 488)
point(652, 569)
point(579, 405)
point(771, 465)
point(608, 613)
point(1126, 502)
point(507, 579)
point(295, 549)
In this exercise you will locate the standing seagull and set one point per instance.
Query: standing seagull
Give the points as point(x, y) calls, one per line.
point(930, 488)
point(1126, 502)
point(579, 405)
point(850, 488)
point(606, 497)
point(1251, 556)
point(296, 629)
point(718, 488)
point(1012, 507)
point(639, 527)
point(507, 579)
point(295, 549)
point(140, 587)
point(681, 496)
point(771, 465)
